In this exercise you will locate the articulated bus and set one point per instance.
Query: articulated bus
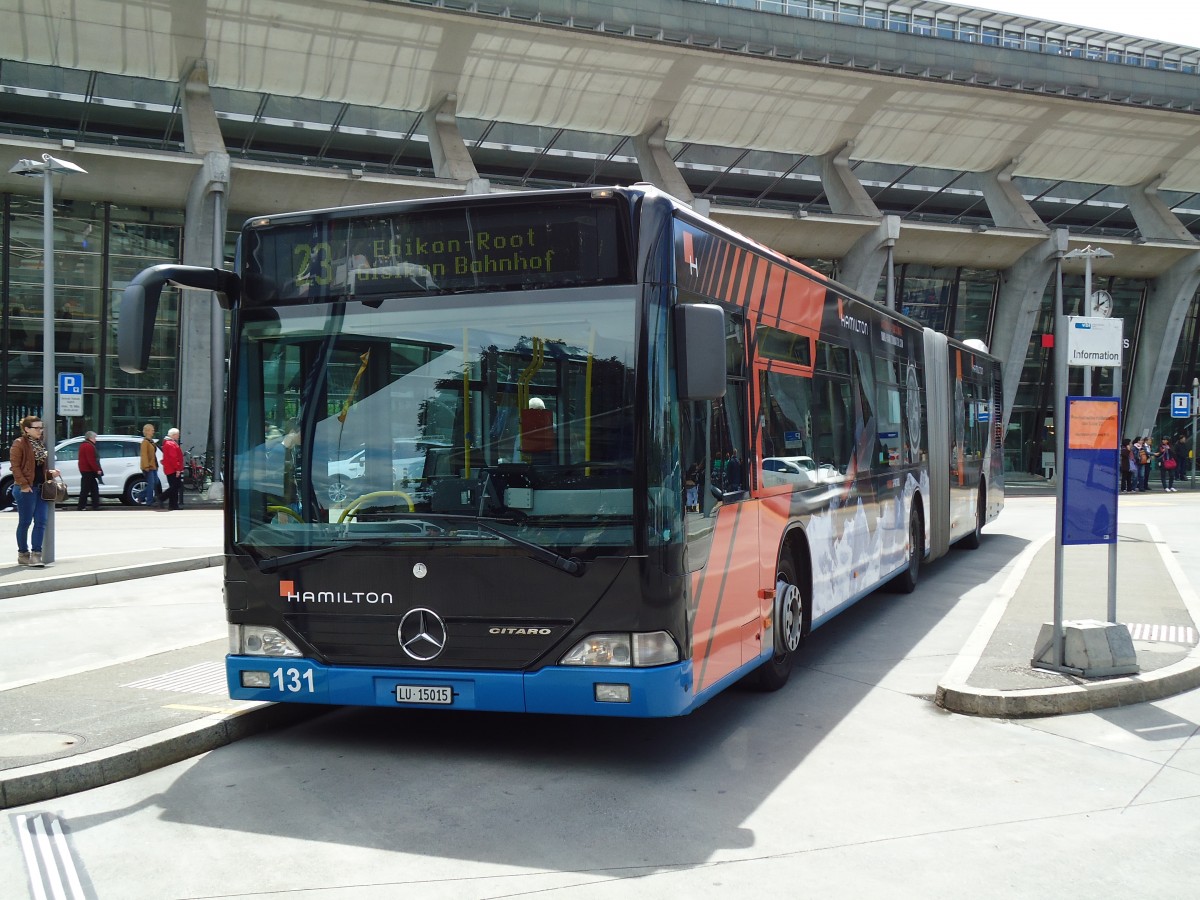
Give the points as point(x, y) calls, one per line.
point(578, 451)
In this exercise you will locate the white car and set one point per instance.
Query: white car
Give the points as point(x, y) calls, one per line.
point(120, 457)
point(777, 470)
point(408, 465)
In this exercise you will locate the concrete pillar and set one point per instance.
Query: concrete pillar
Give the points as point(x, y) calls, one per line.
point(656, 165)
point(451, 159)
point(1154, 218)
point(1008, 208)
point(846, 195)
point(1022, 287)
point(1166, 306)
point(201, 412)
point(861, 268)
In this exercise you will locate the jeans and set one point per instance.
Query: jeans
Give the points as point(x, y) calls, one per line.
point(1167, 477)
point(31, 510)
point(151, 485)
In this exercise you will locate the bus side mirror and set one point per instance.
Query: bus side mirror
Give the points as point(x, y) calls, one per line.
point(139, 306)
point(700, 351)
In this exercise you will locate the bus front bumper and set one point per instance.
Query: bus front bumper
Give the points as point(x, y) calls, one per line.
point(617, 691)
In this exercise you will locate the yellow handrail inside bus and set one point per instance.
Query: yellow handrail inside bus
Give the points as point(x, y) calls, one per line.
point(587, 402)
point(285, 510)
point(528, 373)
point(466, 401)
point(374, 495)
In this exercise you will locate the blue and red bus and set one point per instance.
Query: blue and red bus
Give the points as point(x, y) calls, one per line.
point(577, 451)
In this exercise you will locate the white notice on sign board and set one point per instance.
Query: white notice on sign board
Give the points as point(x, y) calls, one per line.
point(1094, 341)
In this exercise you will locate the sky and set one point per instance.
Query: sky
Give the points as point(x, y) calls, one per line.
point(1174, 21)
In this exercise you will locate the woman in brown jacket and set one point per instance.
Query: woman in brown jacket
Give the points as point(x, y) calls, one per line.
point(28, 457)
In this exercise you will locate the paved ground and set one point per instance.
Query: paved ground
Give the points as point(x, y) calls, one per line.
point(64, 729)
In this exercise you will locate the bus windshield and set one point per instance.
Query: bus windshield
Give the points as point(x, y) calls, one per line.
point(410, 419)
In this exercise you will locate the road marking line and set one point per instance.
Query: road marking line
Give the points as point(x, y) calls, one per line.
point(202, 678)
point(1172, 634)
point(48, 858)
point(205, 709)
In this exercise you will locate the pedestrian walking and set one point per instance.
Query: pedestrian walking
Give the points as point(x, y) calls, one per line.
point(149, 462)
point(90, 473)
point(30, 459)
point(1128, 467)
point(1183, 456)
point(172, 465)
point(1166, 465)
point(1144, 450)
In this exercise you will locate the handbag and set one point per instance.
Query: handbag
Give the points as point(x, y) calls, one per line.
point(55, 490)
point(1168, 463)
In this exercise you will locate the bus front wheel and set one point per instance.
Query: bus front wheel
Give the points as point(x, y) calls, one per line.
point(788, 630)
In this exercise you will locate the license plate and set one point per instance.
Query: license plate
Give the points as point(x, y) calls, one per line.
point(424, 693)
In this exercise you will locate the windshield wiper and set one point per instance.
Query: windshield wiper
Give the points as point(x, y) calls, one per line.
point(569, 564)
point(278, 562)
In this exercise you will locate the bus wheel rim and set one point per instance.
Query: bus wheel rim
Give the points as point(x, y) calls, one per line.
point(791, 615)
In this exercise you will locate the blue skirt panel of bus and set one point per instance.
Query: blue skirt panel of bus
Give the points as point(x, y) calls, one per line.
point(657, 692)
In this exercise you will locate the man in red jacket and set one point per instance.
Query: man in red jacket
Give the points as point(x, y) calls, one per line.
point(89, 473)
point(172, 463)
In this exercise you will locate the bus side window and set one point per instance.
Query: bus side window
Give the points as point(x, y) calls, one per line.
point(833, 418)
point(786, 454)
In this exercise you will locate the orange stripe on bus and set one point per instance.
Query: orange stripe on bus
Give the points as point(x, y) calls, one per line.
point(804, 303)
point(773, 304)
point(711, 647)
point(761, 270)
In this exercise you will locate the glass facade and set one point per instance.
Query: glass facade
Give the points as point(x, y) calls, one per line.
point(98, 248)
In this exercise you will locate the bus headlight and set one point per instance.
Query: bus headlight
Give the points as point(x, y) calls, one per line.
point(640, 649)
point(259, 640)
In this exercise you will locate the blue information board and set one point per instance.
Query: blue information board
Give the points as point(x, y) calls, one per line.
point(1181, 406)
point(1091, 471)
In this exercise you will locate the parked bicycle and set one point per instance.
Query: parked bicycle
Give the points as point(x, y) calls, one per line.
point(197, 476)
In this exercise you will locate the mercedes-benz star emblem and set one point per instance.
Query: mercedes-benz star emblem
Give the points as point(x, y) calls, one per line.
point(422, 634)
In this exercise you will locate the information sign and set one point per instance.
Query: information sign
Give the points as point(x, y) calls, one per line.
point(1181, 406)
point(1091, 475)
point(1095, 341)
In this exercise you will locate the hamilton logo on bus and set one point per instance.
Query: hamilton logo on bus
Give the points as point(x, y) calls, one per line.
point(287, 590)
point(851, 322)
point(422, 634)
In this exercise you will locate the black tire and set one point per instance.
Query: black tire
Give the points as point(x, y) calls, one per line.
point(791, 610)
point(906, 581)
point(7, 497)
point(972, 540)
point(135, 491)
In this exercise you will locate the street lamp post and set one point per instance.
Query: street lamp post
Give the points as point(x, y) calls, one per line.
point(48, 166)
point(1195, 412)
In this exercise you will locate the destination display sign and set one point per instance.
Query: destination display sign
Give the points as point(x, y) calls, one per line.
point(424, 250)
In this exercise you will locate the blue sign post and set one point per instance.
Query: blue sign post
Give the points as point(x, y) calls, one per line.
point(70, 393)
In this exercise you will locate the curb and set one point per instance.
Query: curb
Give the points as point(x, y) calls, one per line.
point(1165, 682)
point(57, 778)
point(106, 576)
point(955, 695)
